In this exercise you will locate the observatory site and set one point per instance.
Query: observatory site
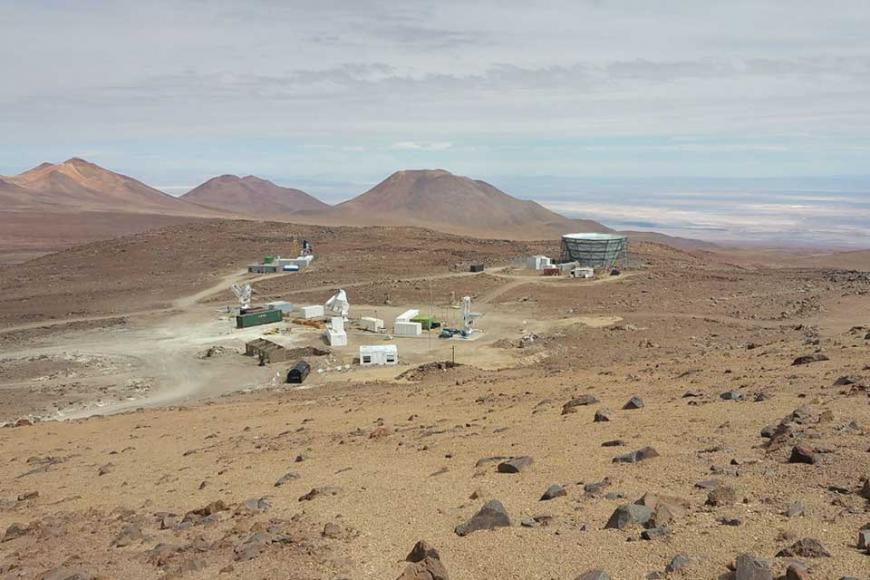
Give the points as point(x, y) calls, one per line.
point(435, 291)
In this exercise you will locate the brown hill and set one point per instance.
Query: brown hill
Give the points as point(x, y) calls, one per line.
point(80, 186)
point(252, 196)
point(439, 200)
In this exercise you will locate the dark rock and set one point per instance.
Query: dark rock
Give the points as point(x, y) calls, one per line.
point(844, 381)
point(722, 496)
point(633, 403)
point(596, 574)
point(663, 514)
point(613, 443)
point(678, 562)
point(629, 514)
point(731, 396)
point(553, 492)
point(809, 358)
point(796, 571)
point(161, 554)
point(208, 510)
point(15, 530)
point(748, 567)
point(253, 546)
point(515, 464)
point(107, 468)
point(692, 393)
point(129, 534)
point(287, 478)
point(864, 540)
point(733, 522)
point(654, 533)
point(596, 486)
point(865, 489)
point(422, 550)
point(316, 492)
point(802, 454)
point(331, 530)
point(795, 509)
point(602, 415)
point(492, 515)
point(804, 548)
point(65, 573)
point(28, 495)
point(708, 484)
point(426, 569)
point(581, 401)
point(768, 431)
point(169, 521)
point(635, 456)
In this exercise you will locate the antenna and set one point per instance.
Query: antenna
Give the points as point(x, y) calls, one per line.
point(243, 293)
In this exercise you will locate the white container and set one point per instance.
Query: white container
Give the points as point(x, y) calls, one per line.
point(336, 337)
point(371, 324)
point(309, 312)
point(538, 262)
point(284, 307)
point(403, 328)
point(407, 315)
point(583, 273)
point(378, 354)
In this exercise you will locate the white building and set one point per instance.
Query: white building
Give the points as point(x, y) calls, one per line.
point(335, 334)
point(408, 315)
point(379, 354)
point(371, 324)
point(309, 312)
point(284, 307)
point(583, 272)
point(538, 262)
point(405, 328)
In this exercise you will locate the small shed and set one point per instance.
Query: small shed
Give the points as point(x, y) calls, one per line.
point(551, 271)
point(476, 268)
point(378, 354)
point(266, 350)
point(583, 272)
point(299, 372)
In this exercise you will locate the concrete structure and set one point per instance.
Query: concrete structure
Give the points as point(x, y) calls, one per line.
point(407, 328)
point(594, 250)
point(309, 312)
point(538, 262)
point(266, 350)
point(583, 272)
point(335, 334)
point(380, 354)
point(371, 324)
point(263, 268)
point(285, 307)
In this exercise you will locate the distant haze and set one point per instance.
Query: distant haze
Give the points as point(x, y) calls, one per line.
point(547, 100)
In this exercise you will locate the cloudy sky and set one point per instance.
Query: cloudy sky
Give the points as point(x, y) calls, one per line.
point(334, 95)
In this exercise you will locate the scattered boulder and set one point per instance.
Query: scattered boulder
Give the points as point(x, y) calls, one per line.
point(802, 454)
point(15, 530)
point(613, 443)
point(596, 574)
point(804, 548)
point(319, 491)
point(797, 571)
point(66, 573)
point(287, 478)
point(864, 540)
point(515, 464)
point(809, 358)
point(655, 533)
point(723, 495)
point(205, 511)
point(627, 515)
point(128, 535)
point(633, 403)
point(678, 562)
point(331, 530)
point(492, 515)
point(865, 489)
point(602, 415)
point(420, 551)
point(581, 401)
point(553, 492)
point(426, 569)
point(731, 396)
point(596, 487)
point(635, 456)
point(107, 468)
point(795, 509)
point(748, 567)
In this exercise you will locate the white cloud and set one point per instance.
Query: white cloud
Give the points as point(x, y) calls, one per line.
point(421, 146)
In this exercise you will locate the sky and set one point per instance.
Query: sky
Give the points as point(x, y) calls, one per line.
point(588, 106)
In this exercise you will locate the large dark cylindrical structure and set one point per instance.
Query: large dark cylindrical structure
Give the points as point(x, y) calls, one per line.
point(594, 250)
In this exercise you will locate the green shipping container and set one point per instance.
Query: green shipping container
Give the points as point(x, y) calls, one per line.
point(257, 318)
point(425, 321)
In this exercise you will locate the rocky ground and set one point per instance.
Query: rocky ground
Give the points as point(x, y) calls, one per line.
point(714, 425)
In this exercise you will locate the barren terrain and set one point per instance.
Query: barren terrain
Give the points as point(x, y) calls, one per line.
point(203, 464)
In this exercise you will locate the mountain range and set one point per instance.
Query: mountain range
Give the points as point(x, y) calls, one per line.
point(57, 205)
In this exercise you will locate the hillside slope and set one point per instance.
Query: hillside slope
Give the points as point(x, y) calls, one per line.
point(251, 195)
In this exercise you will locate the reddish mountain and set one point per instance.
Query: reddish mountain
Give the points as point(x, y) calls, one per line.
point(439, 200)
point(253, 196)
point(79, 186)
